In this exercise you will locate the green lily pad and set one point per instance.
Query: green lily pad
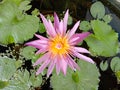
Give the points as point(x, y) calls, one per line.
point(107, 18)
point(16, 27)
point(22, 80)
point(115, 64)
point(104, 41)
point(97, 10)
point(87, 78)
point(28, 52)
point(7, 68)
point(85, 26)
point(104, 65)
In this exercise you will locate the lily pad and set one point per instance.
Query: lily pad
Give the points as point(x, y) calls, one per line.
point(7, 68)
point(104, 41)
point(87, 78)
point(97, 10)
point(16, 27)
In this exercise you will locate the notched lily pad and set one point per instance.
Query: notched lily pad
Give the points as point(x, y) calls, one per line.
point(16, 27)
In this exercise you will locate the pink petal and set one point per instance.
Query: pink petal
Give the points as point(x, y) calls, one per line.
point(43, 66)
point(52, 32)
point(46, 24)
point(38, 44)
point(63, 65)
point(51, 67)
point(60, 28)
point(42, 50)
point(56, 21)
point(72, 63)
point(83, 57)
point(41, 59)
point(41, 37)
point(81, 36)
point(65, 20)
point(58, 66)
point(72, 31)
point(81, 50)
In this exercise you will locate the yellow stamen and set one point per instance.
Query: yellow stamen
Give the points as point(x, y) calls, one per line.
point(59, 45)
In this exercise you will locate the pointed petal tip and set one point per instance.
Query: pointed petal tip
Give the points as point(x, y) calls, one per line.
point(37, 73)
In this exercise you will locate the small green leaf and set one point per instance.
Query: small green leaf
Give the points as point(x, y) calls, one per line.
point(107, 18)
point(42, 28)
point(85, 26)
point(97, 10)
point(70, 20)
point(50, 17)
point(104, 65)
point(24, 6)
point(3, 84)
point(35, 12)
point(75, 76)
point(28, 52)
point(115, 64)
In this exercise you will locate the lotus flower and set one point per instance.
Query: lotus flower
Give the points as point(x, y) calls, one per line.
point(59, 48)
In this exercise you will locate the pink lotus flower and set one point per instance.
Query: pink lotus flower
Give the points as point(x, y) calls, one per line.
point(59, 48)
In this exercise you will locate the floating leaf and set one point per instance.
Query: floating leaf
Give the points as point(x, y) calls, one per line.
point(107, 18)
point(41, 28)
point(23, 81)
point(28, 52)
point(104, 65)
point(35, 80)
point(35, 12)
point(24, 6)
point(7, 68)
point(85, 26)
point(115, 64)
point(70, 20)
point(104, 41)
point(17, 2)
point(50, 17)
point(97, 10)
point(16, 27)
point(88, 78)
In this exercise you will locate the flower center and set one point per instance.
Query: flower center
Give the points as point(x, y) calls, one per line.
point(59, 45)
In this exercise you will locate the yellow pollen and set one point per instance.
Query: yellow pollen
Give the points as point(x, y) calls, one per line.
point(58, 45)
